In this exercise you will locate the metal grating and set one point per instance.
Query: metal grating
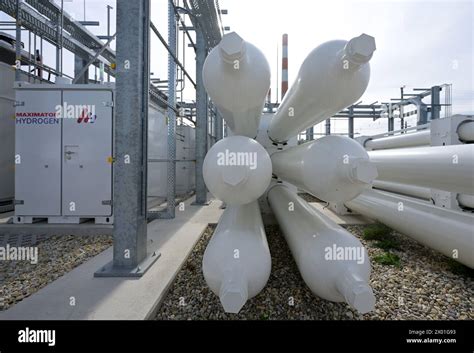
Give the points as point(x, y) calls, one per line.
point(206, 14)
point(79, 41)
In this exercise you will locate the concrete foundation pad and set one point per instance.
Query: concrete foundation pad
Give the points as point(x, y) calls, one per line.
point(121, 298)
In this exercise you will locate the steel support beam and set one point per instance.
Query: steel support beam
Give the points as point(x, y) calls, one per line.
point(351, 122)
point(328, 127)
point(310, 134)
point(130, 258)
point(18, 42)
point(169, 213)
point(79, 64)
point(201, 119)
point(435, 102)
point(219, 126)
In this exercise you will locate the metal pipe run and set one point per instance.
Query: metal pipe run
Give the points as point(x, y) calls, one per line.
point(333, 263)
point(237, 262)
point(332, 77)
point(404, 189)
point(466, 131)
point(449, 232)
point(422, 138)
point(449, 168)
point(466, 201)
point(332, 168)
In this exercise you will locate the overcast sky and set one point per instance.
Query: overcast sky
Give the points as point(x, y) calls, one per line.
point(419, 43)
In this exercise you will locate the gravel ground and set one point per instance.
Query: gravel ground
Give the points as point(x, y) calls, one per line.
point(56, 257)
point(422, 288)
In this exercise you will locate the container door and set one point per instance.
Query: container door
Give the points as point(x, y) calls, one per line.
point(37, 153)
point(87, 153)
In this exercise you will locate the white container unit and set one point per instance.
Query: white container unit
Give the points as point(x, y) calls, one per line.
point(237, 78)
point(332, 168)
point(7, 131)
point(63, 162)
point(332, 77)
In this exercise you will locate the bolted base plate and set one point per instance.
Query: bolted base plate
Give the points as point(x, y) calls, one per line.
point(110, 271)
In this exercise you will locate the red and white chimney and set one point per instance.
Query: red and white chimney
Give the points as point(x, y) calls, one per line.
point(284, 66)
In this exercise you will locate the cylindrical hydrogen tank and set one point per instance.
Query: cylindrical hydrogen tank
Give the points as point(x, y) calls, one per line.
point(332, 77)
point(237, 261)
point(444, 230)
point(237, 78)
point(237, 170)
point(332, 168)
point(449, 168)
point(333, 263)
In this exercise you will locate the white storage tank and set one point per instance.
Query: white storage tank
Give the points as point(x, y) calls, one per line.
point(237, 170)
point(332, 168)
point(332, 77)
point(237, 78)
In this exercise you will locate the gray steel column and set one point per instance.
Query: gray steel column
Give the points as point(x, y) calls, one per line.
point(391, 124)
point(219, 126)
point(79, 64)
point(310, 134)
point(328, 126)
point(18, 42)
point(131, 134)
point(201, 119)
point(171, 188)
point(435, 102)
point(351, 122)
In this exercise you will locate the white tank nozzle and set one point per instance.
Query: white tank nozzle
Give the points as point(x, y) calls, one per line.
point(359, 50)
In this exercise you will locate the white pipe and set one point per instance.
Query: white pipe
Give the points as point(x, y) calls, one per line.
point(449, 168)
point(332, 77)
point(332, 168)
point(449, 232)
point(466, 201)
point(237, 78)
point(422, 138)
point(466, 131)
point(237, 170)
point(333, 263)
point(237, 262)
point(404, 189)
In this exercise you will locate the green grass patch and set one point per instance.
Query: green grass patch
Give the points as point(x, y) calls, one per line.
point(387, 244)
point(388, 259)
point(376, 231)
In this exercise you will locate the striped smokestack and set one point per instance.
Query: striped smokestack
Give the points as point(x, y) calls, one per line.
point(284, 66)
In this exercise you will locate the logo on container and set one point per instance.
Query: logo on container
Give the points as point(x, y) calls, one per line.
point(36, 118)
point(83, 114)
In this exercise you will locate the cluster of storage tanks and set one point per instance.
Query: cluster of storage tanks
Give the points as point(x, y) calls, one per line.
point(425, 185)
point(259, 161)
